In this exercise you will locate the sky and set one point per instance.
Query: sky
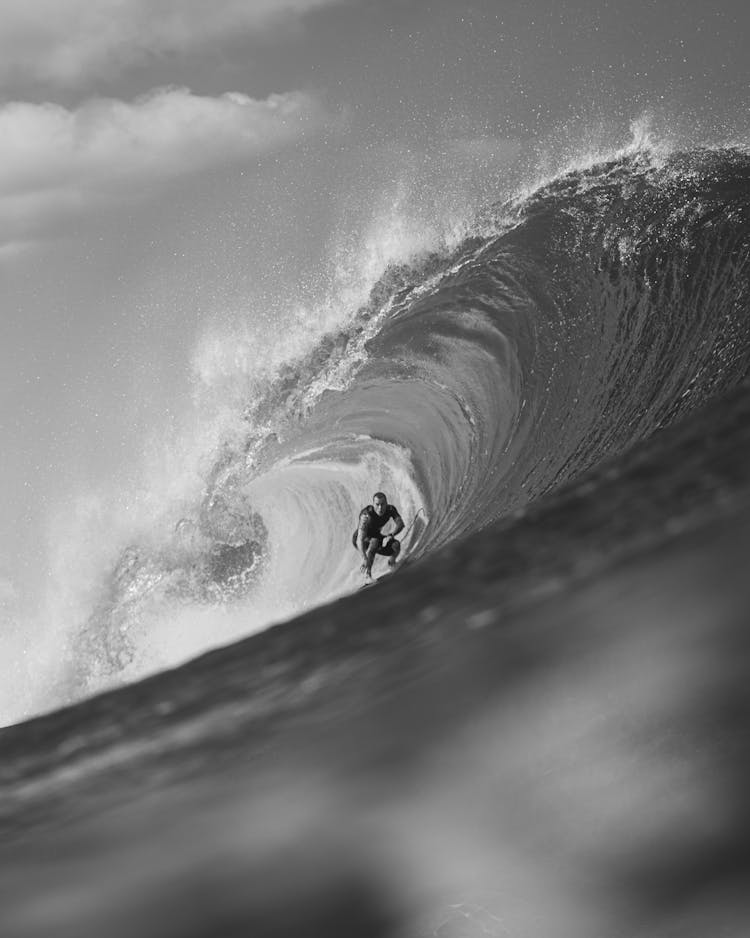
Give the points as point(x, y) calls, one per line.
point(185, 186)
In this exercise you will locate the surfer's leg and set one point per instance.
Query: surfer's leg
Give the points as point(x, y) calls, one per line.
point(395, 548)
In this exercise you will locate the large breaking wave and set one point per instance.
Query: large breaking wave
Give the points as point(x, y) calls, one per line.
point(571, 323)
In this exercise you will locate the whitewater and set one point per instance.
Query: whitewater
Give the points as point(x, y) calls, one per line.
point(472, 378)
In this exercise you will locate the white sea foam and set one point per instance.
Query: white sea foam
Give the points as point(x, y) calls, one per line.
point(308, 501)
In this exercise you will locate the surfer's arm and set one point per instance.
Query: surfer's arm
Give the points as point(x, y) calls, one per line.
point(399, 525)
point(367, 558)
point(361, 532)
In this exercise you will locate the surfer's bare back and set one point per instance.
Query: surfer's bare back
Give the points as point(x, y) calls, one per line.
point(368, 538)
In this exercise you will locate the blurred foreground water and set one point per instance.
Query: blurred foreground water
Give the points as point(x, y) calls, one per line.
point(541, 730)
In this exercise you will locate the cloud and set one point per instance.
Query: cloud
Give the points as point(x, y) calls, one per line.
point(63, 41)
point(59, 163)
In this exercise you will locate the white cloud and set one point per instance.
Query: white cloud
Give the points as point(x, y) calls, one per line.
point(66, 40)
point(57, 163)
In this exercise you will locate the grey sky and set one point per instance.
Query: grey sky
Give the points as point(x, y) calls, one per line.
point(172, 172)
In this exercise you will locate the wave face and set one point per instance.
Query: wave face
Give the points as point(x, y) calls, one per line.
point(605, 305)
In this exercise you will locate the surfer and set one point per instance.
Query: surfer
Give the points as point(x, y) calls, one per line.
point(368, 538)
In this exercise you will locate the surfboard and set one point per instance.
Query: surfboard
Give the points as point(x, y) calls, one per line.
point(383, 576)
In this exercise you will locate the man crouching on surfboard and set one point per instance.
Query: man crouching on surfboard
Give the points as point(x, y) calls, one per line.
point(367, 538)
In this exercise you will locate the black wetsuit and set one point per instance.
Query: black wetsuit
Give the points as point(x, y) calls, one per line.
point(374, 523)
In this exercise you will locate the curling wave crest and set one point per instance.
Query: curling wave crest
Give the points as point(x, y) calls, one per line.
point(580, 319)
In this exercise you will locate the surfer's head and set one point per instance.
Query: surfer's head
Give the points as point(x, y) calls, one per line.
point(379, 503)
